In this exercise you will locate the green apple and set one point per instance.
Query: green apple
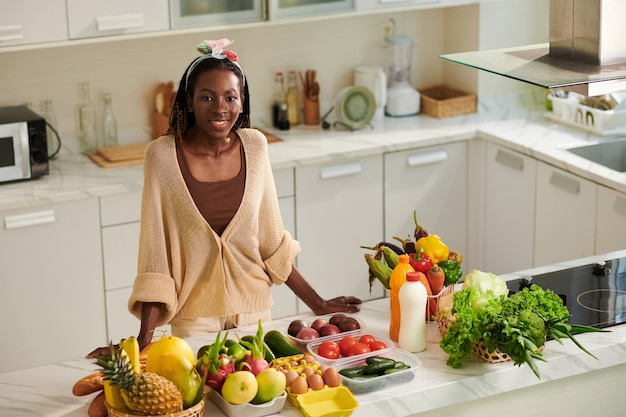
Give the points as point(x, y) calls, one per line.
point(272, 384)
point(240, 387)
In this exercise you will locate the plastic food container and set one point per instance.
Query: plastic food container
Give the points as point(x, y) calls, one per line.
point(302, 343)
point(312, 347)
point(361, 386)
point(247, 410)
point(327, 402)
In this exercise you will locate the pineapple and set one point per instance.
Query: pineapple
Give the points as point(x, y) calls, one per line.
point(145, 393)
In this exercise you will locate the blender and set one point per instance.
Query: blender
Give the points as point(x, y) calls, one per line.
point(402, 98)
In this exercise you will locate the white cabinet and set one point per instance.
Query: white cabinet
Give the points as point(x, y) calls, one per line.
point(33, 21)
point(285, 301)
point(382, 5)
point(509, 212)
point(431, 181)
point(338, 209)
point(611, 222)
point(52, 307)
point(94, 18)
point(190, 13)
point(294, 8)
point(565, 216)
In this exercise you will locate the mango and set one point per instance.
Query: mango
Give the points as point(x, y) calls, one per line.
point(183, 374)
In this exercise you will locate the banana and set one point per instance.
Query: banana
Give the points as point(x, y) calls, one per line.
point(131, 347)
point(113, 397)
point(379, 269)
point(391, 257)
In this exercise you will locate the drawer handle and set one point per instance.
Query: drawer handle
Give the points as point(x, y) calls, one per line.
point(427, 158)
point(565, 183)
point(340, 170)
point(508, 159)
point(620, 205)
point(125, 21)
point(29, 219)
point(11, 33)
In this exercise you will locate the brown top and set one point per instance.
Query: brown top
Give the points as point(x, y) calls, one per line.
point(217, 201)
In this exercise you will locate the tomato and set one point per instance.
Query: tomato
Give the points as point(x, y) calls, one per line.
point(345, 344)
point(358, 349)
point(329, 350)
point(367, 339)
point(378, 345)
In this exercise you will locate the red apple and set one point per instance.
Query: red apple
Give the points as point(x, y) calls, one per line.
point(329, 330)
point(308, 333)
point(318, 323)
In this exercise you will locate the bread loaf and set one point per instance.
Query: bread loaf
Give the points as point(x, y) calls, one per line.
point(97, 408)
point(88, 384)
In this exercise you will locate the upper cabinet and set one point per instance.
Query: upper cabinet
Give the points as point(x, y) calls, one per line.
point(97, 18)
point(294, 8)
point(33, 21)
point(381, 5)
point(191, 13)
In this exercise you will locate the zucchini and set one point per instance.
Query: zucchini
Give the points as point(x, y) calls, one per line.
point(279, 345)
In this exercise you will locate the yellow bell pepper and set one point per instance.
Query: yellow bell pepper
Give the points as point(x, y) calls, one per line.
point(433, 247)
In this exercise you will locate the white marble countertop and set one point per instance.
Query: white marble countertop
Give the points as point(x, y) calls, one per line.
point(517, 122)
point(47, 390)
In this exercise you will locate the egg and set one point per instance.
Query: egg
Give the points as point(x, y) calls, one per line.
point(308, 371)
point(290, 376)
point(315, 381)
point(331, 377)
point(299, 386)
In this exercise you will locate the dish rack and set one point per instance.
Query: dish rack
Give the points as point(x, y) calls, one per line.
point(568, 110)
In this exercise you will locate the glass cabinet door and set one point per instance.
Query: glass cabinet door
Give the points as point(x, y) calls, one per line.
point(190, 13)
point(287, 8)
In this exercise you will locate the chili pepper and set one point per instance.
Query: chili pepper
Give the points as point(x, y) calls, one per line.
point(421, 262)
point(433, 247)
point(452, 270)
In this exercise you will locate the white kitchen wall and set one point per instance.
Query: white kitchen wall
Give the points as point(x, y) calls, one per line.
point(130, 69)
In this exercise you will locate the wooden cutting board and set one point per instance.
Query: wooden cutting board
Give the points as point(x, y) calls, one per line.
point(119, 156)
point(270, 137)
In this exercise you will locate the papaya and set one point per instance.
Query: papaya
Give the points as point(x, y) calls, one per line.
point(183, 374)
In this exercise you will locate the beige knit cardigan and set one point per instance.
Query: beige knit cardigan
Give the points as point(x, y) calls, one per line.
point(185, 265)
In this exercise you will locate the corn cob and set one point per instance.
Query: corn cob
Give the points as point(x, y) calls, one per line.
point(391, 257)
point(379, 270)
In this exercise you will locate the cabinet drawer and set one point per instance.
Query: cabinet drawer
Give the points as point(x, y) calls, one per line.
point(284, 182)
point(120, 248)
point(120, 208)
point(20, 26)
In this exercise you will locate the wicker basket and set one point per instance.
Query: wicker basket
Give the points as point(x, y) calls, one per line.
point(195, 411)
point(442, 101)
point(479, 349)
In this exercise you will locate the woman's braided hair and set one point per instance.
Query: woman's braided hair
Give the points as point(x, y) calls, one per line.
point(181, 119)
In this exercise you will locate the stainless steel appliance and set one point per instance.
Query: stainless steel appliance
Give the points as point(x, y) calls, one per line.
point(594, 294)
point(23, 146)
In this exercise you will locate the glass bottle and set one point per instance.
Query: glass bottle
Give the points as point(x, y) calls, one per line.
point(47, 111)
point(294, 100)
point(398, 277)
point(86, 120)
point(279, 110)
point(108, 124)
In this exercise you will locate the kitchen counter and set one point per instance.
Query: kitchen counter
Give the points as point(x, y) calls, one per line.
point(517, 122)
point(474, 389)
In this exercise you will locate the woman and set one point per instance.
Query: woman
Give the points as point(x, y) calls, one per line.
point(212, 240)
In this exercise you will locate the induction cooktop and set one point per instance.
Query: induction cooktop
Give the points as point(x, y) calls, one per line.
point(595, 294)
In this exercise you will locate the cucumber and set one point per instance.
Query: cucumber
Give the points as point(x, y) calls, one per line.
point(377, 359)
point(279, 345)
point(354, 372)
point(378, 368)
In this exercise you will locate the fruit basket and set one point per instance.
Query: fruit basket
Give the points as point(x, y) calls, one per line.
point(361, 386)
point(195, 411)
point(433, 302)
point(247, 410)
point(312, 347)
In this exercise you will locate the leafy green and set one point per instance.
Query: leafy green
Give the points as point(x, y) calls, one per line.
point(517, 325)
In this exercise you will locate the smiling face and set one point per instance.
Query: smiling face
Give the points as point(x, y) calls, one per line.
point(216, 102)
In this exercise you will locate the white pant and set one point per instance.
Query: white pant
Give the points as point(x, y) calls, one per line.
point(202, 325)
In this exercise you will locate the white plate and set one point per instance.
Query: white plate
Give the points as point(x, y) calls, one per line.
point(247, 410)
point(355, 106)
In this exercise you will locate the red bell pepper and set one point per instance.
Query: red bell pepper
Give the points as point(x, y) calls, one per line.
point(420, 261)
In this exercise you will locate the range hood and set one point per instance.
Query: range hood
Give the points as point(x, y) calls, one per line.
point(586, 53)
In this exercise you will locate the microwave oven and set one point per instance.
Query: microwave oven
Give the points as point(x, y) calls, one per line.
point(23, 144)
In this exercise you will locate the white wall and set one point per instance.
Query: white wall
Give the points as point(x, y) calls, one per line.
point(131, 69)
